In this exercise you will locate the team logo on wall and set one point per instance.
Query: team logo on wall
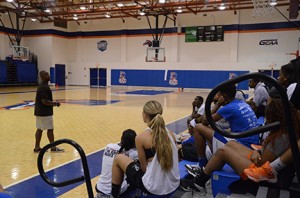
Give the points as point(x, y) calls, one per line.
point(122, 78)
point(148, 43)
point(102, 45)
point(233, 75)
point(173, 78)
point(268, 42)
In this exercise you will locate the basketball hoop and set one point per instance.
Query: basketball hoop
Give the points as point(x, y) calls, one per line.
point(155, 54)
point(20, 52)
point(262, 8)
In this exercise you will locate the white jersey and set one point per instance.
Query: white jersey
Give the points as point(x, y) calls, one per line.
point(290, 90)
point(158, 181)
point(201, 110)
point(104, 182)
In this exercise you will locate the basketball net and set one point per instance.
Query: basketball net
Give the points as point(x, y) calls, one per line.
point(262, 8)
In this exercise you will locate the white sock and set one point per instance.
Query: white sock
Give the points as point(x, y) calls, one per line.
point(277, 164)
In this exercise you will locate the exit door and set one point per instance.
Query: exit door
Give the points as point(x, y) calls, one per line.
point(98, 77)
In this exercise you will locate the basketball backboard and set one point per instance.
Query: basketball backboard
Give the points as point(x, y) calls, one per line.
point(155, 54)
point(20, 52)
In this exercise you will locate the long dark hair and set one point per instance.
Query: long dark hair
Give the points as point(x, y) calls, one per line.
point(274, 112)
point(127, 140)
point(291, 71)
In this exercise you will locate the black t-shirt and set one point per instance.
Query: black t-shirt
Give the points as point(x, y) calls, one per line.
point(43, 92)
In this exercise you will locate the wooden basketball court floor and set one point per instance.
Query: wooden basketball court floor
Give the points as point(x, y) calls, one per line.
point(93, 117)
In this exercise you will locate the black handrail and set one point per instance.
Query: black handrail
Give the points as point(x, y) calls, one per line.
point(86, 172)
point(287, 113)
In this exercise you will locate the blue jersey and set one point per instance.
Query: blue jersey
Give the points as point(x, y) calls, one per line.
point(241, 118)
point(190, 140)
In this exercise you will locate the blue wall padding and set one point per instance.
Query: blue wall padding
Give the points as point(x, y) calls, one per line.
point(52, 74)
point(26, 72)
point(184, 78)
point(3, 74)
point(60, 74)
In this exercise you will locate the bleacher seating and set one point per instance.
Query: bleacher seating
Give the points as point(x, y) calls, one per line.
point(26, 72)
point(220, 180)
point(18, 72)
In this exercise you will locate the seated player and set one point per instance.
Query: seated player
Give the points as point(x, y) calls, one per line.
point(197, 110)
point(289, 77)
point(157, 171)
point(240, 117)
point(187, 149)
point(241, 157)
point(268, 171)
point(126, 147)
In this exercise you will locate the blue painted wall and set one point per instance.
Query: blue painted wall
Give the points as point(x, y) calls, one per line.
point(174, 78)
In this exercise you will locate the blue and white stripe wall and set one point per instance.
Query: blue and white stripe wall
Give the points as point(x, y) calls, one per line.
point(76, 47)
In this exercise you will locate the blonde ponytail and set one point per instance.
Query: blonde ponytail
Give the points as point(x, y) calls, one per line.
point(160, 139)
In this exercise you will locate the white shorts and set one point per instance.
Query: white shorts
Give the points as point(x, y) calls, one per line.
point(44, 122)
point(219, 141)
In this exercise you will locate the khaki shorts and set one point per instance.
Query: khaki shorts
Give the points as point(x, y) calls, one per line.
point(44, 122)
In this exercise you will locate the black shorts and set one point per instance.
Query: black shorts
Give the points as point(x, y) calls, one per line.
point(134, 176)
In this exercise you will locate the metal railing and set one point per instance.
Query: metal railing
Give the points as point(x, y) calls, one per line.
point(287, 114)
point(86, 172)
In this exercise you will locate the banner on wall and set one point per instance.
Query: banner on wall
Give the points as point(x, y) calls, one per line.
point(173, 79)
point(122, 77)
point(204, 33)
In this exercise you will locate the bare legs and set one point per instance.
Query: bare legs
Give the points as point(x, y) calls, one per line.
point(50, 135)
point(232, 153)
point(38, 137)
point(119, 166)
point(202, 133)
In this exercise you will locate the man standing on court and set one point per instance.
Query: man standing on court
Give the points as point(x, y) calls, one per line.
point(43, 111)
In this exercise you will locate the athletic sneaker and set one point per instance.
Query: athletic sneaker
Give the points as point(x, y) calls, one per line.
point(57, 150)
point(193, 170)
point(188, 186)
point(263, 173)
point(201, 180)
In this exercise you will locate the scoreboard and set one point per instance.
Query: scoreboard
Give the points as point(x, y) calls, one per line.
point(204, 33)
